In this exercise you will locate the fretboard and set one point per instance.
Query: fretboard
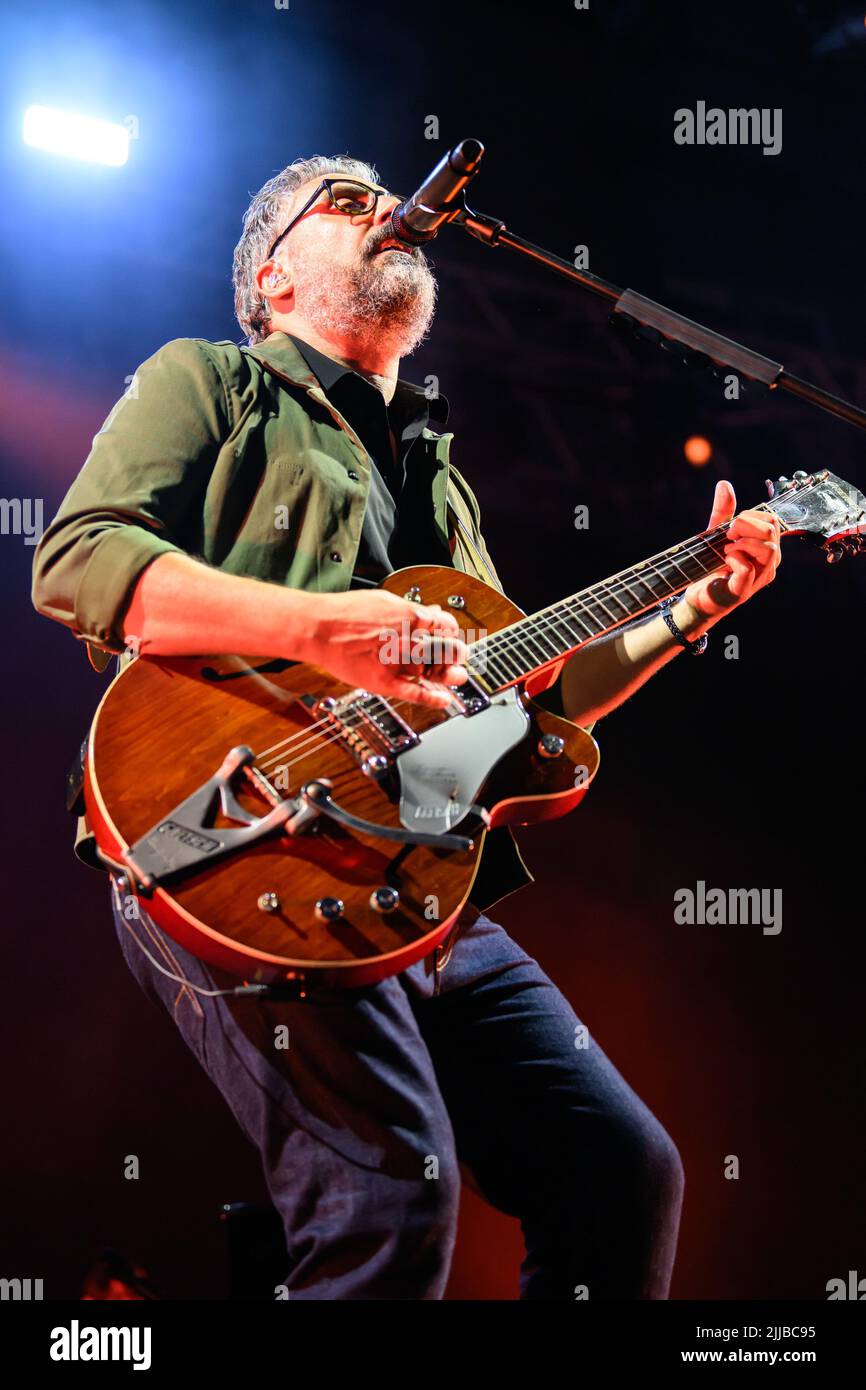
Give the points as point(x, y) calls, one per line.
point(515, 652)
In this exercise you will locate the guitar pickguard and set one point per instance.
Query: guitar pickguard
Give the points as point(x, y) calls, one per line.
point(442, 775)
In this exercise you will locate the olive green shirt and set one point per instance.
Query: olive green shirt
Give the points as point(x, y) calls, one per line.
point(235, 455)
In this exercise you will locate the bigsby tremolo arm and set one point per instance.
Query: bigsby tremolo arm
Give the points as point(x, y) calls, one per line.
point(318, 795)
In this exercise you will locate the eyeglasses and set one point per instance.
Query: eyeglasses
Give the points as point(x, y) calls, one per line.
point(346, 195)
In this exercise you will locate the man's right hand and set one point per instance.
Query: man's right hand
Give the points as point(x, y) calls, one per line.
point(368, 638)
point(385, 644)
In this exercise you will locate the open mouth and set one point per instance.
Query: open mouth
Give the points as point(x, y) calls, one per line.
point(392, 246)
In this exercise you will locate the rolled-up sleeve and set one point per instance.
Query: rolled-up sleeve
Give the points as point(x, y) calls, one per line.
point(136, 495)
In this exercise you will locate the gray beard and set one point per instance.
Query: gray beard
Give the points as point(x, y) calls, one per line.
point(386, 296)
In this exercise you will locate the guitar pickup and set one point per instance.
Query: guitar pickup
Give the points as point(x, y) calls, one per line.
point(367, 724)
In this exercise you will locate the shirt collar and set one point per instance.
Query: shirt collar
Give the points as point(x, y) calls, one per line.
point(297, 358)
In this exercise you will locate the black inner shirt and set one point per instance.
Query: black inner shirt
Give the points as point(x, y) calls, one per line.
point(398, 525)
point(399, 529)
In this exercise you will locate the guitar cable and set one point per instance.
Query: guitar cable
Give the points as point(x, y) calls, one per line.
point(238, 992)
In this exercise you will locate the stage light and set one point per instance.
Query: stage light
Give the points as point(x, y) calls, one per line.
point(698, 450)
point(76, 137)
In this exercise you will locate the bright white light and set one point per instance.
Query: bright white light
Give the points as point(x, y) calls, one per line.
point(76, 137)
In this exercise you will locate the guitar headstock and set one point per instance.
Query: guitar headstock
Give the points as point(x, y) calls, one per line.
point(821, 505)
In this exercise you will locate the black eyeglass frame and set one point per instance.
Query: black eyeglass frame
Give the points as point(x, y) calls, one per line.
point(327, 185)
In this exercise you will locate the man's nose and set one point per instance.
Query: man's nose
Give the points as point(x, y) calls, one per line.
point(384, 208)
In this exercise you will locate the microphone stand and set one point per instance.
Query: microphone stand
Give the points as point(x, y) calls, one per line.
point(693, 344)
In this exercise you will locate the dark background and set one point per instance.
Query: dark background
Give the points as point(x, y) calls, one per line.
point(744, 773)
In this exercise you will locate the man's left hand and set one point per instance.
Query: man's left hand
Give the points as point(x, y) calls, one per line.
point(752, 552)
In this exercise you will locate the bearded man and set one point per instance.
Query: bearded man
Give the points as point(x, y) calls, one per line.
point(249, 499)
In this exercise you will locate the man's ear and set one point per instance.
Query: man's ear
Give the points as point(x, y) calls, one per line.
point(273, 280)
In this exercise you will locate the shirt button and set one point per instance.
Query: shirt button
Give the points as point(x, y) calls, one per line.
point(336, 556)
point(353, 475)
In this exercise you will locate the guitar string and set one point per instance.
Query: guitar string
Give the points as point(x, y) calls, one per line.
point(687, 550)
point(552, 620)
point(312, 736)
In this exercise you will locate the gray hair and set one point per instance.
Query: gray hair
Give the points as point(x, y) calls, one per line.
point(266, 215)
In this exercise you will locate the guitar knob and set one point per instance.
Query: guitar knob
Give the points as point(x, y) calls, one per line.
point(329, 909)
point(384, 899)
point(413, 594)
point(456, 601)
point(550, 745)
point(268, 902)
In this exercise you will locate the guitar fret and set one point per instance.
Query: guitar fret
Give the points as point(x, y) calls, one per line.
point(618, 600)
point(594, 616)
point(502, 658)
point(647, 585)
point(583, 623)
point(569, 629)
point(530, 652)
point(607, 610)
point(515, 652)
point(631, 590)
point(541, 637)
point(657, 571)
point(538, 640)
point(531, 637)
point(566, 635)
point(696, 560)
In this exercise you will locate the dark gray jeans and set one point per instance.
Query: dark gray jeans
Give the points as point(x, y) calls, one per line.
point(363, 1119)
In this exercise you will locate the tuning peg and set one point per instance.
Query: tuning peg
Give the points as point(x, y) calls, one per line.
point(783, 481)
point(770, 486)
point(800, 476)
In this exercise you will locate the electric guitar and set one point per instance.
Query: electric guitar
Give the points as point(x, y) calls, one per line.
point(288, 828)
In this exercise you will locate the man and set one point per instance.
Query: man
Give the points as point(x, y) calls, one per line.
point(245, 500)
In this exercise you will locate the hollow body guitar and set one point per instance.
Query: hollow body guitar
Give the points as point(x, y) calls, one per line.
point(318, 894)
point(287, 828)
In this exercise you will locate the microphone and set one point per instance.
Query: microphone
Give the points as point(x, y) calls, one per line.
point(419, 218)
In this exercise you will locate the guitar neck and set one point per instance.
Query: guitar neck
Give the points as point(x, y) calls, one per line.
point(513, 653)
